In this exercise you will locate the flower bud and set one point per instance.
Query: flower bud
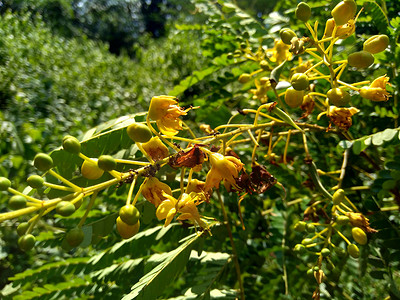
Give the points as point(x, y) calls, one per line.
point(286, 35)
point(300, 226)
point(338, 97)
point(342, 220)
point(106, 163)
point(75, 236)
point(17, 202)
point(299, 81)
point(264, 65)
point(245, 77)
point(127, 231)
point(139, 132)
point(65, 208)
point(353, 250)
point(43, 162)
point(5, 183)
point(35, 181)
point(325, 252)
point(26, 242)
point(71, 144)
point(90, 170)
point(344, 11)
point(303, 12)
point(338, 197)
point(361, 59)
point(359, 235)
point(293, 98)
point(376, 43)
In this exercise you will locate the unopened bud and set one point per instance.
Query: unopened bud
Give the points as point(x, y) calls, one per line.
point(303, 12)
point(338, 97)
point(286, 35)
point(299, 81)
point(359, 235)
point(294, 98)
point(245, 77)
point(376, 43)
point(361, 59)
point(344, 11)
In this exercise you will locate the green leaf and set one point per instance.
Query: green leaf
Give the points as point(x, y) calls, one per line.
point(169, 265)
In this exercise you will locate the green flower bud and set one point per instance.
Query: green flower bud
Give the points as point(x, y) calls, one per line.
point(344, 11)
point(106, 163)
point(90, 170)
point(376, 43)
point(75, 237)
point(35, 181)
point(300, 226)
point(43, 162)
point(299, 81)
point(338, 97)
point(71, 144)
point(264, 65)
point(293, 98)
point(325, 252)
point(22, 228)
point(360, 60)
point(307, 241)
point(139, 132)
point(300, 249)
point(65, 208)
point(339, 251)
point(353, 250)
point(245, 77)
point(338, 197)
point(310, 228)
point(303, 11)
point(129, 214)
point(359, 235)
point(5, 183)
point(17, 202)
point(26, 242)
point(286, 35)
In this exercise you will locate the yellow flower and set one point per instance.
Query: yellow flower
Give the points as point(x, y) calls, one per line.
point(280, 52)
point(342, 31)
point(222, 168)
point(165, 111)
point(341, 116)
point(262, 87)
point(167, 209)
point(154, 190)
point(186, 206)
point(377, 90)
point(155, 149)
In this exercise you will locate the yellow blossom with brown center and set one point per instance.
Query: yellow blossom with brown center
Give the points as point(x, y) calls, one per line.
point(155, 149)
point(166, 112)
point(341, 116)
point(154, 191)
point(186, 206)
point(222, 168)
point(377, 90)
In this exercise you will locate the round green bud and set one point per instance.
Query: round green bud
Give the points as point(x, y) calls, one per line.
point(43, 162)
point(129, 214)
point(339, 251)
point(294, 98)
point(338, 197)
point(342, 220)
point(286, 35)
point(106, 163)
point(359, 235)
point(360, 60)
point(310, 227)
point(75, 237)
point(245, 77)
point(127, 231)
point(264, 65)
point(300, 249)
point(5, 183)
point(26, 242)
point(17, 202)
point(344, 11)
point(139, 132)
point(229, 56)
point(71, 144)
point(303, 11)
point(243, 45)
point(307, 241)
point(338, 97)
point(376, 43)
point(300, 226)
point(316, 269)
point(353, 250)
point(310, 273)
point(35, 181)
point(325, 252)
point(22, 228)
point(299, 81)
point(65, 208)
point(90, 170)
